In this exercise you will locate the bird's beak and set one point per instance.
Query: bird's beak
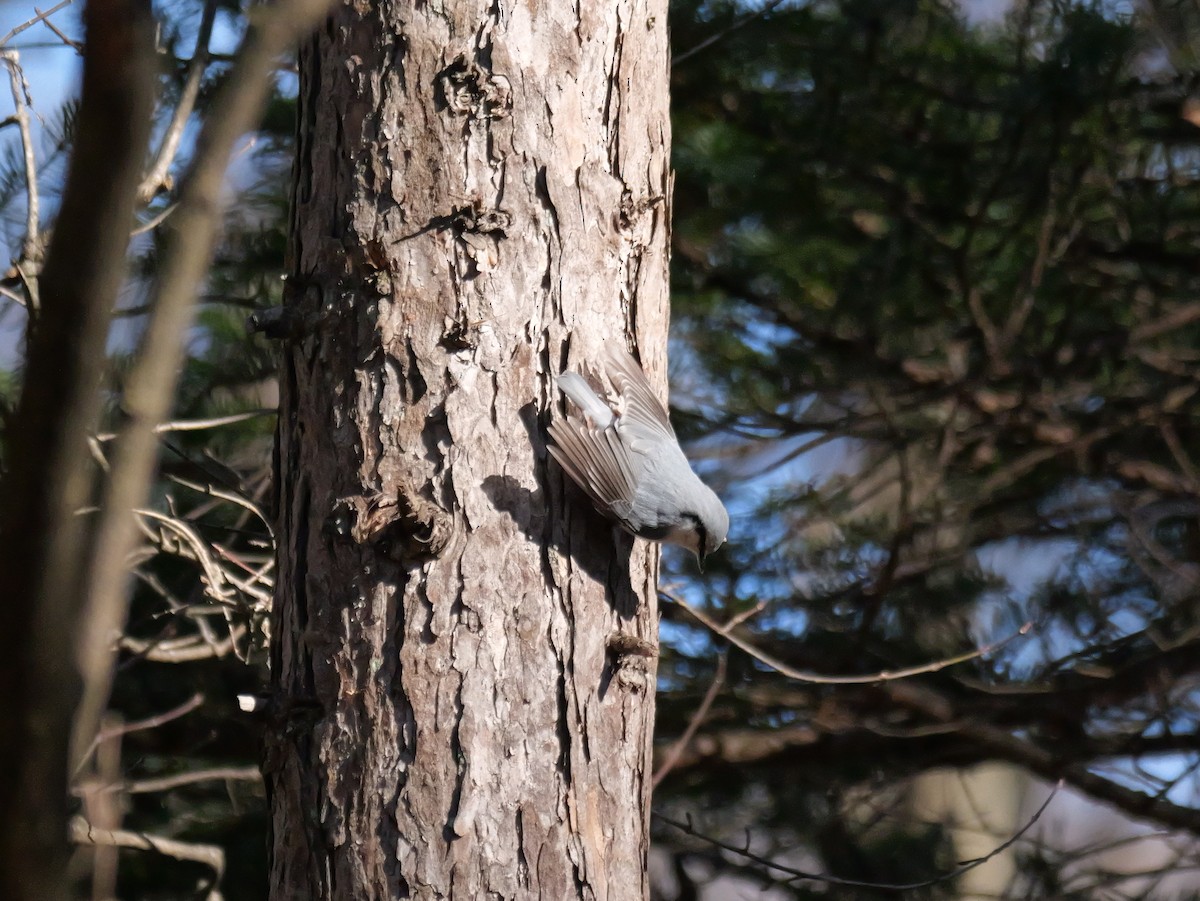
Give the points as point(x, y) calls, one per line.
point(700, 560)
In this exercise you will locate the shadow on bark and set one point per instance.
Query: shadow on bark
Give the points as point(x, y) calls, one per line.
point(603, 552)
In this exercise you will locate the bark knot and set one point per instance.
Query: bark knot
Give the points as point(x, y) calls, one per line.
point(632, 661)
point(405, 526)
point(468, 89)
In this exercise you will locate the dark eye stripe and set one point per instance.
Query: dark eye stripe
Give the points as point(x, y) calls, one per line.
point(698, 527)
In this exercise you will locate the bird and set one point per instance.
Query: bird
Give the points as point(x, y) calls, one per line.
point(626, 458)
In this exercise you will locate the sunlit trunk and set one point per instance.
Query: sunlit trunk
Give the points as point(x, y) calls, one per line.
point(462, 706)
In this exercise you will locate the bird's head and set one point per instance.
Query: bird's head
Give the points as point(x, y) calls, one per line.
point(703, 529)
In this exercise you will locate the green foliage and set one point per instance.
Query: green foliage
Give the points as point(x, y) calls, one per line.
point(940, 278)
point(936, 328)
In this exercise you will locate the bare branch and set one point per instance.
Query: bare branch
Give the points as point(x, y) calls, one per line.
point(148, 226)
point(75, 45)
point(1001, 744)
point(166, 783)
point(178, 780)
point(150, 722)
point(214, 575)
point(212, 856)
point(31, 245)
point(50, 470)
point(151, 382)
point(672, 756)
point(196, 425)
point(816, 678)
point(726, 32)
point(793, 874)
point(13, 296)
point(156, 178)
point(40, 17)
point(185, 650)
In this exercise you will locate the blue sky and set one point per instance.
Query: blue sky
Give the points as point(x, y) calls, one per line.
point(51, 73)
point(51, 67)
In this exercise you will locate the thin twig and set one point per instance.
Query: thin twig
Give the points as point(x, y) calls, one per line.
point(166, 783)
point(156, 178)
point(197, 425)
point(178, 608)
point(676, 751)
point(795, 875)
point(153, 722)
point(213, 856)
point(1048, 761)
point(1171, 438)
point(150, 722)
point(816, 678)
point(257, 575)
point(187, 650)
point(75, 45)
point(214, 576)
point(738, 618)
point(726, 32)
point(148, 226)
point(232, 497)
point(31, 244)
point(13, 296)
point(29, 23)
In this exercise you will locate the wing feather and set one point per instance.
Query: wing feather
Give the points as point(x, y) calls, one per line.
point(595, 460)
point(600, 459)
point(643, 415)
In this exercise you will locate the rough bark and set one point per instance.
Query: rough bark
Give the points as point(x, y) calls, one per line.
point(463, 702)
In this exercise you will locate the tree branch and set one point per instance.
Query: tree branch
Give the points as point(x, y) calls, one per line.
point(50, 470)
point(40, 17)
point(790, 672)
point(156, 178)
point(212, 856)
point(20, 94)
point(671, 757)
point(150, 385)
point(793, 875)
point(1004, 745)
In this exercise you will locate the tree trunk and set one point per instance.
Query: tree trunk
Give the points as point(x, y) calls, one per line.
point(463, 691)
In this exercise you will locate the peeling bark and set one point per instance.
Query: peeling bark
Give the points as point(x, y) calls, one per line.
point(481, 200)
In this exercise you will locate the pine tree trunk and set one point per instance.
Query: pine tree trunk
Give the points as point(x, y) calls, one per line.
point(463, 692)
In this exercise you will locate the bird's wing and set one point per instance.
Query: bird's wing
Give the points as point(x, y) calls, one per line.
point(643, 416)
point(574, 386)
point(597, 461)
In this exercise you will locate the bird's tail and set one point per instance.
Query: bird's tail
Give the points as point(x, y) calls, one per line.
point(573, 386)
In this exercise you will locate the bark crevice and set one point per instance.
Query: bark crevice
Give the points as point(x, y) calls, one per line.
point(475, 735)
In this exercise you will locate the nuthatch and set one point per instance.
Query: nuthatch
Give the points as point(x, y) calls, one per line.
point(626, 457)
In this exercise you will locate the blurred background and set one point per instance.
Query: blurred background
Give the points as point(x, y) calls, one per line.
point(936, 329)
